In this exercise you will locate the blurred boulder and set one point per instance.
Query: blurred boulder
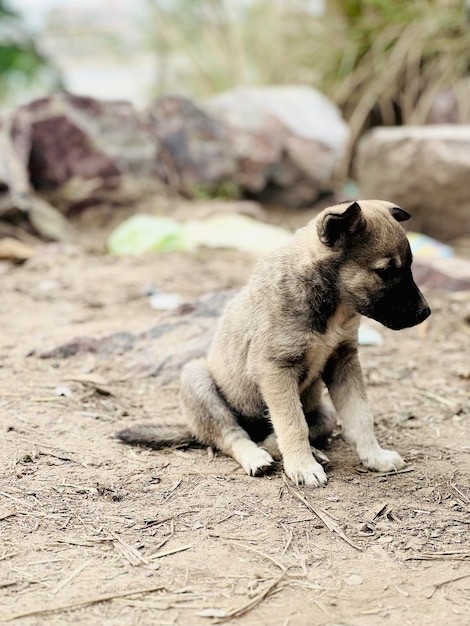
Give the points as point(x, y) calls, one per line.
point(194, 147)
point(84, 151)
point(13, 170)
point(64, 153)
point(79, 152)
point(425, 170)
point(14, 250)
point(287, 141)
point(17, 200)
point(451, 274)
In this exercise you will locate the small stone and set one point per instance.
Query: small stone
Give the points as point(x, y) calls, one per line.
point(353, 580)
point(14, 250)
point(63, 391)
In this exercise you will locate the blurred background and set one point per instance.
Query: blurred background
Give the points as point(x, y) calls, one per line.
point(369, 56)
point(271, 101)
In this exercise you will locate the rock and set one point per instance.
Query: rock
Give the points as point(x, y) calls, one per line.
point(194, 146)
point(287, 141)
point(444, 109)
point(13, 168)
point(46, 220)
point(160, 351)
point(353, 580)
point(14, 250)
point(64, 153)
point(16, 195)
point(425, 170)
point(83, 151)
point(77, 152)
point(451, 274)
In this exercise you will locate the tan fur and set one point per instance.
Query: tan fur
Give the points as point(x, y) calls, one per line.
point(294, 323)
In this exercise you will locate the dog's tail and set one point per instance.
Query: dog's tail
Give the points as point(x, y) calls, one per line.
point(159, 436)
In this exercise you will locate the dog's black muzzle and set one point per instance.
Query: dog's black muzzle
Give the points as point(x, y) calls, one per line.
point(400, 306)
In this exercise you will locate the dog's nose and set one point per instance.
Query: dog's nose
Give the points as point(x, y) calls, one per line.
point(423, 313)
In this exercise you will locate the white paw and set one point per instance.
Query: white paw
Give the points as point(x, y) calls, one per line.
point(308, 472)
point(384, 461)
point(257, 461)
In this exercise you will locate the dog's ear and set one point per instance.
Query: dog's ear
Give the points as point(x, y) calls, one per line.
point(338, 223)
point(399, 214)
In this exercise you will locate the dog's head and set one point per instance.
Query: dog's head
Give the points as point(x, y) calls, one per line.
point(373, 257)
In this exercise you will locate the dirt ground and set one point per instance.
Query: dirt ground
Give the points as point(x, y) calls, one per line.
point(95, 532)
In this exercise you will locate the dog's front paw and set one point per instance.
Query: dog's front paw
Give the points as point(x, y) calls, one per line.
point(307, 472)
point(384, 461)
point(258, 463)
point(254, 460)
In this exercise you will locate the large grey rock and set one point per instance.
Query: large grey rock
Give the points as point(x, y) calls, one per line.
point(452, 274)
point(62, 154)
point(287, 141)
point(194, 147)
point(84, 151)
point(80, 152)
point(425, 170)
point(17, 198)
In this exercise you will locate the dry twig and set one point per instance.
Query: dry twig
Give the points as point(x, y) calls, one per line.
point(405, 470)
point(79, 603)
point(6, 513)
point(436, 586)
point(283, 568)
point(128, 552)
point(439, 556)
point(461, 495)
point(322, 515)
point(436, 397)
point(159, 555)
point(69, 578)
point(17, 500)
point(242, 610)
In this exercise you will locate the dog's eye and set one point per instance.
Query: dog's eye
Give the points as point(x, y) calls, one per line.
point(385, 273)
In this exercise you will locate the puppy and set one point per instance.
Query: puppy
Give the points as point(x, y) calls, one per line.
point(290, 330)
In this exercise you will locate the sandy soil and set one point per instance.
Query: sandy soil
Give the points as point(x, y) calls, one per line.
point(183, 536)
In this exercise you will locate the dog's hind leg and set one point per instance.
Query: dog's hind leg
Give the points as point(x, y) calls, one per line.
point(214, 424)
point(321, 421)
point(271, 445)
